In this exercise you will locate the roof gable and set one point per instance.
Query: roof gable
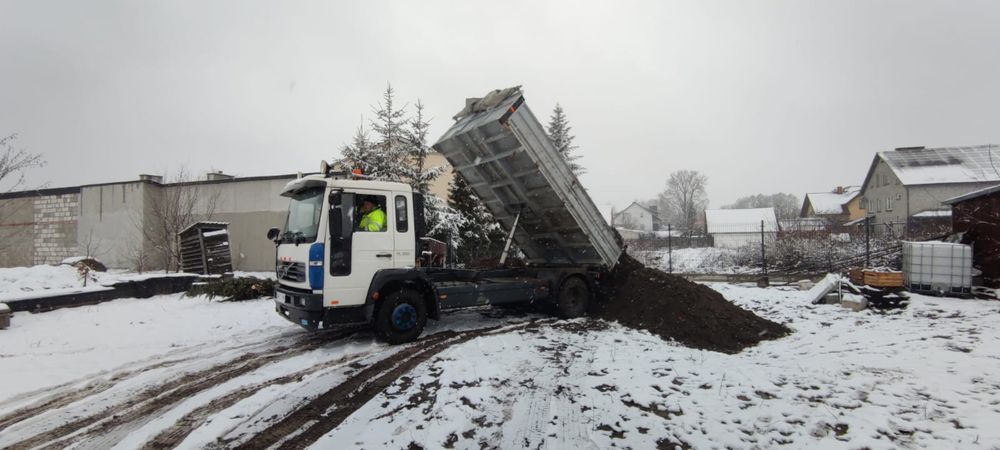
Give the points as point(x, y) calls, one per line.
point(828, 203)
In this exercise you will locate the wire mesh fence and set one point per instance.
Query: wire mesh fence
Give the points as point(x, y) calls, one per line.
point(787, 249)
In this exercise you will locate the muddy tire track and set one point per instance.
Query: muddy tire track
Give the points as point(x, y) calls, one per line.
point(66, 395)
point(310, 422)
point(156, 398)
point(177, 432)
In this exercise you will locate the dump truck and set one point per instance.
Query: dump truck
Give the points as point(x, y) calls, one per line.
point(333, 272)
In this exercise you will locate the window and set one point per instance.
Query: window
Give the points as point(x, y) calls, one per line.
point(371, 213)
point(888, 204)
point(302, 224)
point(402, 221)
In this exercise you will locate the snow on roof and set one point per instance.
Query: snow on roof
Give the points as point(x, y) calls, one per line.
point(941, 213)
point(855, 222)
point(972, 195)
point(208, 223)
point(973, 164)
point(740, 220)
point(832, 202)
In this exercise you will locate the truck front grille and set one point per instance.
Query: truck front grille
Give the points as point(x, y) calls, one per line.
point(292, 271)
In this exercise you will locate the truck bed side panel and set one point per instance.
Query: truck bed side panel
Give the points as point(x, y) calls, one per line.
point(510, 163)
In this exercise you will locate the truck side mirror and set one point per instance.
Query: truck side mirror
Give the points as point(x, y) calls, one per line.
point(272, 234)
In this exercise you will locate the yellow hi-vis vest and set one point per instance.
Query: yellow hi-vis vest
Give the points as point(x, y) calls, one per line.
point(374, 220)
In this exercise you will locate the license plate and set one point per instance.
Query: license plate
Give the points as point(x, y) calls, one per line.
point(305, 322)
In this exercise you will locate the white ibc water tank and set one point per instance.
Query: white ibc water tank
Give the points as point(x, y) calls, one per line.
point(937, 267)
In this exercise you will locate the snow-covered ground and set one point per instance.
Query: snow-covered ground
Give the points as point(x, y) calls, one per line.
point(173, 371)
point(698, 260)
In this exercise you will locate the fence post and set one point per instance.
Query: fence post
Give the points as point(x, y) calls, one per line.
point(868, 241)
point(670, 249)
point(763, 257)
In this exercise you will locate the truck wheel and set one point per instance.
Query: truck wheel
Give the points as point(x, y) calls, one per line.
point(401, 317)
point(574, 295)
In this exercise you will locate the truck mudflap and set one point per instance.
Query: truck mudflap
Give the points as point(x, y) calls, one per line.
point(307, 310)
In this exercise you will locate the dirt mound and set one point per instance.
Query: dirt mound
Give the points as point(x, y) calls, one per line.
point(674, 308)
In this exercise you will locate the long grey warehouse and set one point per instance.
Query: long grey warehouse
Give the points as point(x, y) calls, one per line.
point(47, 225)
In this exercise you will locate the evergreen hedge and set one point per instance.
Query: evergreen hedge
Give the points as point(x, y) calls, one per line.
point(234, 289)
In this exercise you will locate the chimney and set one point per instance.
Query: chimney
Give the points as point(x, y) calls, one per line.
point(839, 190)
point(153, 178)
point(218, 175)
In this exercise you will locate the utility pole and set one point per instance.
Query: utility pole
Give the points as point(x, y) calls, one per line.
point(764, 281)
point(670, 249)
point(868, 241)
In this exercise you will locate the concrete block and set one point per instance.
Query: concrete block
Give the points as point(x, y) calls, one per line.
point(854, 304)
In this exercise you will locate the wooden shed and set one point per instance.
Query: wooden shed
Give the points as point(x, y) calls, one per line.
point(205, 248)
point(977, 215)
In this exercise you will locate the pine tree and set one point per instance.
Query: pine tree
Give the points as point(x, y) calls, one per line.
point(385, 157)
point(359, 154)
point(420, 176)
point(560, 132)
point(482, 237)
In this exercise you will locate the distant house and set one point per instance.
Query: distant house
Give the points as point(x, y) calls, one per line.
point(837, 207)
point(977, 215)
point(906, 186)
point(734, 228)
point(637, 217)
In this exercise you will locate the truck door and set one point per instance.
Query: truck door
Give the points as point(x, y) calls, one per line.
point(402, 227)
point(371, 250)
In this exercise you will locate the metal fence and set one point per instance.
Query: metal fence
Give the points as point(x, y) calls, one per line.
point(787, 249)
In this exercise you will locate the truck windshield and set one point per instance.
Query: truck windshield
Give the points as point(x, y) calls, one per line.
point(304, 212)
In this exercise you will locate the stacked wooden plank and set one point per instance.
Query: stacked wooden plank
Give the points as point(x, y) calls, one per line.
point(876, 278)
point(205, 248)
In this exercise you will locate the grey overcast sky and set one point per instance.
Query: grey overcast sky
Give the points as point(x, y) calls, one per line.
point(761, 96)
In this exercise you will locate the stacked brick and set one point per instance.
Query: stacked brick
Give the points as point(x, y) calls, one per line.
point(55, 218)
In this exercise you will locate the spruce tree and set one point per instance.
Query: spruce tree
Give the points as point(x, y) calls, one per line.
point(482, 237)
point(560, 133)
point(420, 175)
point(386, 156)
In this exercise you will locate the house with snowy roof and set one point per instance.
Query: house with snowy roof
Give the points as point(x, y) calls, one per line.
point(907, 186)
point(735, 228)
point(637, 217)
point(836, 206)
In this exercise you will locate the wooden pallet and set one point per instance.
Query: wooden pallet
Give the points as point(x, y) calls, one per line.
point(873, 278)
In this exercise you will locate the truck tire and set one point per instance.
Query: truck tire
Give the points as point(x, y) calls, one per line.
point(574, 296)
point(401, 317)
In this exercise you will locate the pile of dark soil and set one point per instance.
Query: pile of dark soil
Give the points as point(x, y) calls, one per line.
point(674, 308)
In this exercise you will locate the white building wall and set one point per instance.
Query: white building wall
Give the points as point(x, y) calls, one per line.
point(738, 240)
point(635, 218)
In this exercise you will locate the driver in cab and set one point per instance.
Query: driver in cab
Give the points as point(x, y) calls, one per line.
point(372, 216)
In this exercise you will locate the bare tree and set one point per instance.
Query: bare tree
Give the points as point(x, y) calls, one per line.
point(14, 163)
point(786, 206)
point(684, 199)
point(172, 207)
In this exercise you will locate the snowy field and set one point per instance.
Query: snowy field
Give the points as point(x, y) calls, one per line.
point(172, 371)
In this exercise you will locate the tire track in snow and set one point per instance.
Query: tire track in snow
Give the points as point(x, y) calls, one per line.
point(310, 422)
point(177, 432)
point(65, 394)
point(154, 399)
